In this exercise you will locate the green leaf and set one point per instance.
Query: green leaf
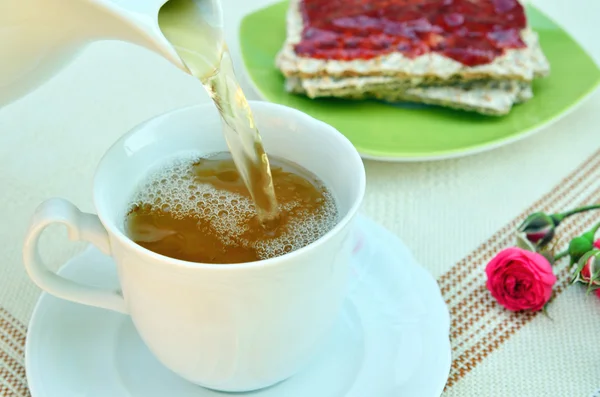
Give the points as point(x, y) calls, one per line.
point(523, 243)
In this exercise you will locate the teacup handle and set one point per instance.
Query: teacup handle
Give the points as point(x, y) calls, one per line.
point(80, 226)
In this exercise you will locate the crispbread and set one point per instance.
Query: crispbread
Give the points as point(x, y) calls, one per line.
point(516, 64)
point(486, 97)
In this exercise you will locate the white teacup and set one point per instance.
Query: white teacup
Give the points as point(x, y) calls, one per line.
point(232, 327)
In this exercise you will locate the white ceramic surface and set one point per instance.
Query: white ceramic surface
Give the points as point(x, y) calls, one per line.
point(39, 37)
point(224, 327)
point(391, 339)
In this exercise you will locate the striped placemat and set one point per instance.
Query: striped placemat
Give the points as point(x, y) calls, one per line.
point(479, 326)
point(12, 356)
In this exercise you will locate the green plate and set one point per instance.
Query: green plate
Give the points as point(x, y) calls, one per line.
point(403, 133)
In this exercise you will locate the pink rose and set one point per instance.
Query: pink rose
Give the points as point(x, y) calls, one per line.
point(520, 280)
point(597, 244)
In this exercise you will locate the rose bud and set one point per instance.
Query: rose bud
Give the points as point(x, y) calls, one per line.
point(578, 247)
point(587, 275)
point(597, 244)
point(520, 279)
point(588, 270)
point(539, 228)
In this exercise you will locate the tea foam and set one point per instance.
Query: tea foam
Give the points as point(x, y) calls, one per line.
point(173, 189)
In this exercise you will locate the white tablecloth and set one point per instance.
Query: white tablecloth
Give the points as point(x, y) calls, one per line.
point(51, 141)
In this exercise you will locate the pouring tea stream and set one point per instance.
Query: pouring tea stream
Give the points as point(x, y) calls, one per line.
point(39, 37)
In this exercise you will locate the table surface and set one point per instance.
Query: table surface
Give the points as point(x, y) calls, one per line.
point(52, 140)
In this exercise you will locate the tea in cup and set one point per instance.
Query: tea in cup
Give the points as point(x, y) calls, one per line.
point(245, 320)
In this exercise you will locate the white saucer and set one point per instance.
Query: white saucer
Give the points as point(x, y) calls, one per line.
point(391, 339)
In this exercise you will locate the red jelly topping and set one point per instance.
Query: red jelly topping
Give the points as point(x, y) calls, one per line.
point(472, 32)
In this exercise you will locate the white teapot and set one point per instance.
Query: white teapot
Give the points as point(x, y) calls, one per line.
point(39, 37)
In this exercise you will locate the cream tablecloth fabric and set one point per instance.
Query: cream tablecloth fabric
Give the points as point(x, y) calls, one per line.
point(51, 141)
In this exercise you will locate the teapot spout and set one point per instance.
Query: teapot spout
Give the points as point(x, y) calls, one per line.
point(137, 22)
point(39, 37)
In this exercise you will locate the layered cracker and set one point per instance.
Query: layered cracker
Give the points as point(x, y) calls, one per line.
point(495, 98)
point(432, 68)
